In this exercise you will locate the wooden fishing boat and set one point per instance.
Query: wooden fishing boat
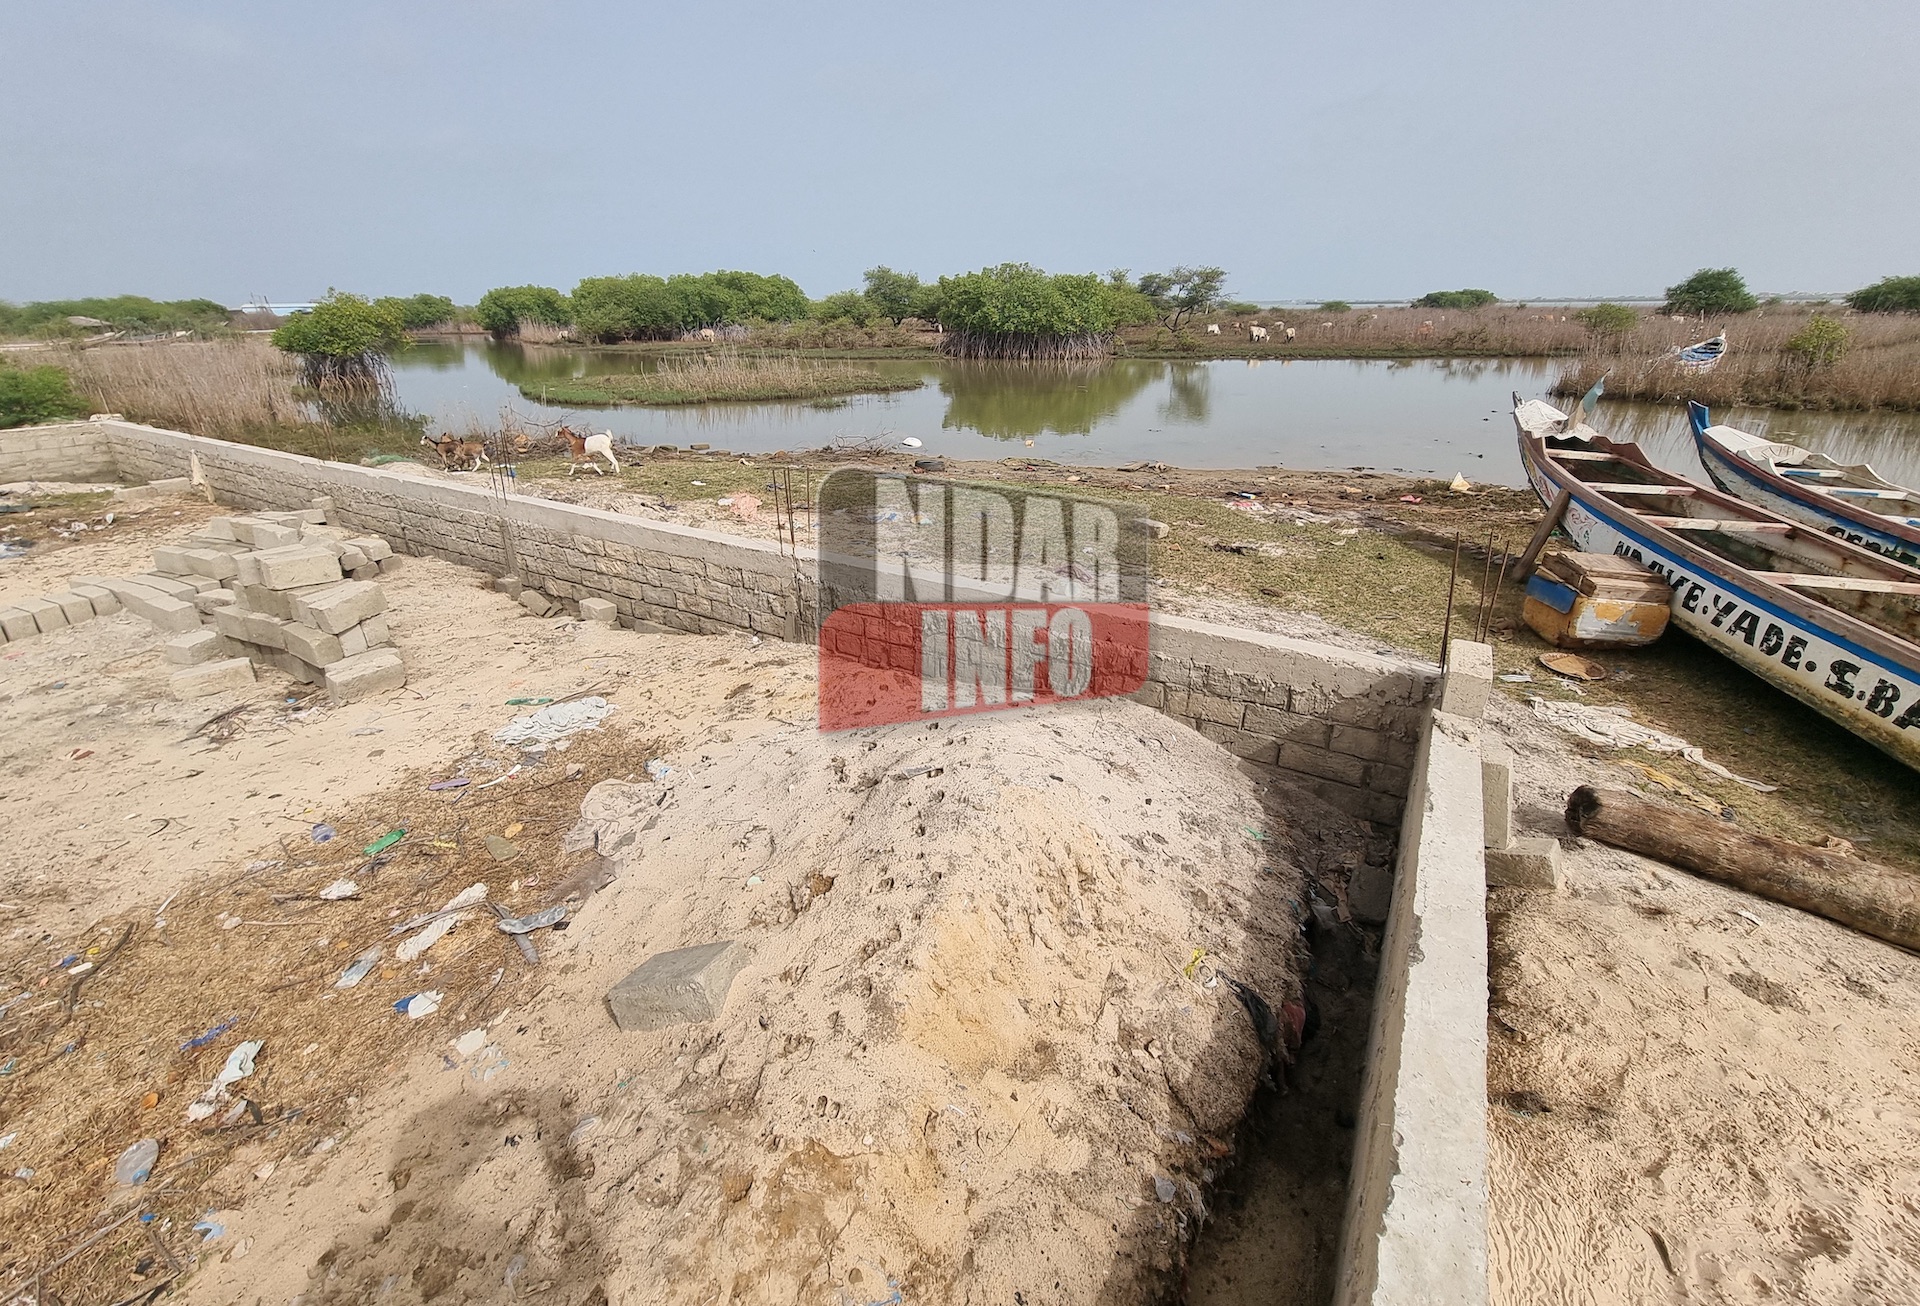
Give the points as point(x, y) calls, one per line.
point(1849, 500)
point(1831, 623)
point(1702, 356)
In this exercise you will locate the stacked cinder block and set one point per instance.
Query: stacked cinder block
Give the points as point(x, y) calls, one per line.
point(297, 599)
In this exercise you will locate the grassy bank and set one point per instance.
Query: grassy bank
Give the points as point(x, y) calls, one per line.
point(721, 376)
point(1878, 364)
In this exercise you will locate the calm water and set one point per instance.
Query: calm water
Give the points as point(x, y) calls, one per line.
point(1432, 417)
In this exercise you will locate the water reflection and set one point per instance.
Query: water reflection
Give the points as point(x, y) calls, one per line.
point(1418, 415)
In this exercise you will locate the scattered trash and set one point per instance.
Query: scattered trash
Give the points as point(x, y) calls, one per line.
point(538, 920)
point(323, 832)
point(1517, 678)
point(753, 880)
point(1614, 727)
point(659, 770)
point(502, 778)
point(746, 507)
point(441, 921)
point(361, 967)
point(239, 1066)
point(586, 1126)
point(416, 1005)
point(384, 842)
point(458, 782)
point(555, 721)
point(912, 442)
point(1459, 484)
point(6, 1140)
point(79, 754)
point(202, 1040)
point(1739, 911)
point(515, 1268)
point(501, 849)
point(1193, 962)
point(1410, 498)
point(513, 829)
point(209, 1230)
point(149, 1100)
point(1573, 666)
point(339, 889)
point(527, 702)
point(136, 1163)
point(1163, 1188)
point(913, 772)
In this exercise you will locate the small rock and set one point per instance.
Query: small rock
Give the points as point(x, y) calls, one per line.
point(502, 850)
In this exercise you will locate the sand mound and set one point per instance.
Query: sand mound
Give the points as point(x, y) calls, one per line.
point(973, 1055)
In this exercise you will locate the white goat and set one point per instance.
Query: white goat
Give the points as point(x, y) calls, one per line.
point(1256, 333)
point(1213, 328)
point(584, 447)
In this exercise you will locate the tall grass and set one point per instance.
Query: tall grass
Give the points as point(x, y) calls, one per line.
point(719, 375)
point(1879, 368)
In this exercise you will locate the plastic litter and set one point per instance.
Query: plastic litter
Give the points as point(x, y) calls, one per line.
point(1410, 498)
point(501, 850)
point(209, 1230)
point(384, 842)
point(555, 721)
point(1163, 1188)
point(362, 966)
point(323, 832)
point(659, 770)
point(6, 1140)
point(445, 919)
point(339, 889)
point(416, 1005)
point(1459, 484)
point(458, 782)
point(201, 1040)
point(912, 442)
point(502, 778)
point(528, 702)
point(470, 1042)
point(136, 1163)
point(538, 920)
point(1517, 678)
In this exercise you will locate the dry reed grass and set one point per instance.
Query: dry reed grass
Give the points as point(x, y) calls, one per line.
point(222, 388)
point(1880, 369)
point(84, 1058)
point(719, 375)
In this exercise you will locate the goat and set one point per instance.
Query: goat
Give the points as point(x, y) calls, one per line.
point(706, 333)
point(584, 447)
point(1256, 333)
point(453, 451)
point(1291, 333)
point(1213, 328)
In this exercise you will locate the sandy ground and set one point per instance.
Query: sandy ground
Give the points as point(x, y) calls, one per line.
point(989, 1044)
point(1696, 1095)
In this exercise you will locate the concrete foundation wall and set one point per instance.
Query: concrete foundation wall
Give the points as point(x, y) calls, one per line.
point(1416, 1223)
point(70, 451)
point(1344, 724)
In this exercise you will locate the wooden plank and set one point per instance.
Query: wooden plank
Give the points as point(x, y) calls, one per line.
point(1555, 511)
point(1584, 456)
point(1863, 584)
point(1741, 526)
point(1677, 491)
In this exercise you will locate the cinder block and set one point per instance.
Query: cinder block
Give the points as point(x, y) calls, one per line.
point(195, 647)
point(292, 570)
point(367, 673)
point(312, 516)
point(212, 563)
point(215, 598)
point(376, 549)
point(354, 640)
point(219, 528)
point(200, 585)
point(337, 608)
point(598, 610)
point(211, 678)
point(537, 603)
point(265, 534)
point(47, 616)
point(173, 585)
point(375, 630)
point(351, 559)
point(266, 631)
point(314, 647)
point(172, 485)
point(671, 988)
point(170, 561)
point(76, 608)
point(389, 564)
point(102, 599)
point(1525, 864)
point(367, 571)
point(1468, 680)
point(231, 621)
point(17, 623)
point(1496, 792)
point(507, 585)
point(322, 504)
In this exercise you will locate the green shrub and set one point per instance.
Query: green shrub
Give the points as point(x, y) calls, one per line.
point(1888, 295)
point(29, 396)
point(502, 309)
point(343, 340)
point(1608, 321)
point(417, 312)
point(1336, 306)
point(1709, 292)
point(1821, 342)
point(894, 295)
point(638, 307)
point(846, 306)
point(1456, 299)
point(131, 313)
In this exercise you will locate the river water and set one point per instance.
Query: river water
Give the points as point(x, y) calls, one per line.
point(1425, 416)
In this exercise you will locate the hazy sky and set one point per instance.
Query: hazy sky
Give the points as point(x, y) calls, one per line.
point(1355, 150)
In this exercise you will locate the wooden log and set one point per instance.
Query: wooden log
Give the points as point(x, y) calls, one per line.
point(1874, 899)
point(1555, 511)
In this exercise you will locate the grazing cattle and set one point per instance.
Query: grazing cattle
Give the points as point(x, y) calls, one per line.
point(1256, 333)
point(1291, 333)
point(454, 451)
point(584, 447)
point(1213, 328)
point(706, 333)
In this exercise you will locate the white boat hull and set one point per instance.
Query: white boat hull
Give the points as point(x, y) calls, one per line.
point(1871, 695)
point(1729, 473)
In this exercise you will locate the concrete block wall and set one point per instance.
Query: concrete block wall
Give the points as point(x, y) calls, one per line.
point(69, 451)
point(1415, 1231)
point(1345, 724)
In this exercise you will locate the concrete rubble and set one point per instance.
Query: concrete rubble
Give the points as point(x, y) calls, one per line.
point(276, 588)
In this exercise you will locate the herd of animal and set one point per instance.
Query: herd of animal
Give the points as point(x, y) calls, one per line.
point(1260, 332)
point(457, 454)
